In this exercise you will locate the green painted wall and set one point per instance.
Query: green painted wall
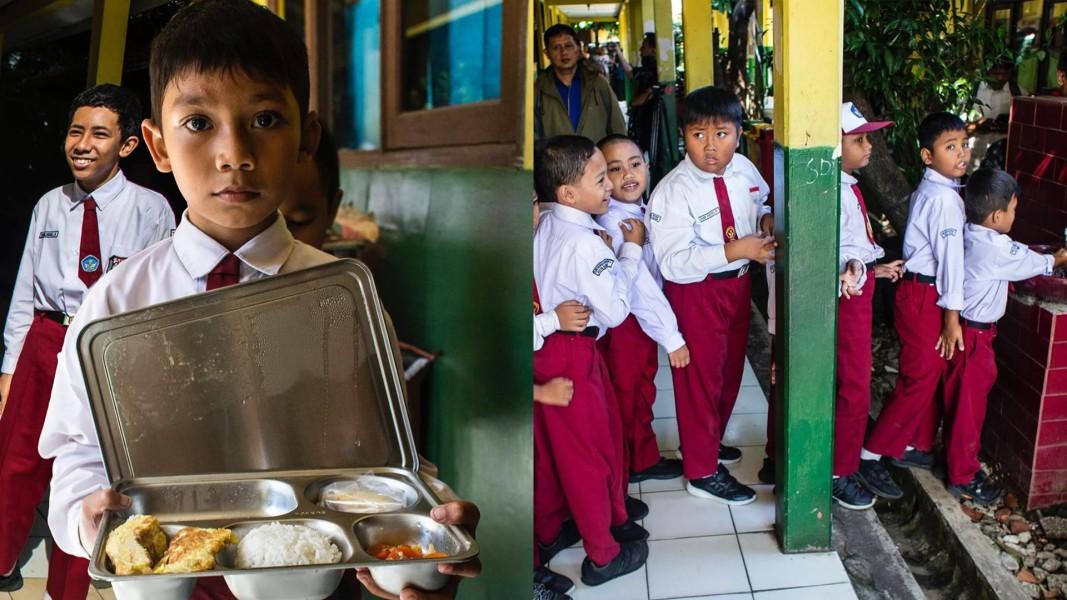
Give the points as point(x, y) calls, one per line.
point(456, 277)
point(806, 225)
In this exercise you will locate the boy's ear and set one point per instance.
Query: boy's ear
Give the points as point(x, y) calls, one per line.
point(565, 194)
point(128, 146)
point(153, 140)
point(310, 137)
point(926, 155)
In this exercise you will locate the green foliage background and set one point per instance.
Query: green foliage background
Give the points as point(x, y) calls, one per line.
point(914, 57)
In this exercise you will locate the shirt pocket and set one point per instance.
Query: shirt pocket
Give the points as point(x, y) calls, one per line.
point(116, 255)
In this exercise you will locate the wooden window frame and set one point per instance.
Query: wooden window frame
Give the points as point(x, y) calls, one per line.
point(480, 134)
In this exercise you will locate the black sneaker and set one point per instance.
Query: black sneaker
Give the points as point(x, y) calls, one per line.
point(568, 536)
point(766, 474)
point(12, 582)
point(850, 494)
point(560, 584)
point(666, 468)
point(629, 532)
point(914, 458)
point(722, 487)
point(543, 592)
point(979, 490)
point(631, 556)
point(875, 478)
point(728, 455)
point(635, 509)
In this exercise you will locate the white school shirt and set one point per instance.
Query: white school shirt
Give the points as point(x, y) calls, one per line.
point(130, 218)
point(684, 224)
point(545, 324)
point(854, 241)
point(992, 260)
point(172, 269)
point(933, 239)
point(992, 103)
point(571, 262)
point(647, 302)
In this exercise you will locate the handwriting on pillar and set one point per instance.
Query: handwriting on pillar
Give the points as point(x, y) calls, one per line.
point(818, 167)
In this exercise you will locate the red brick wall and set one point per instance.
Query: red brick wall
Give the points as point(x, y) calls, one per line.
point(1026, 421)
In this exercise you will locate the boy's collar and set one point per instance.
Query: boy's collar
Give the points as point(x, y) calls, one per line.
point(630, 207)
point(199, 252)
point(103, 195)
point(704, 175)
point(573, 215)
point(934, 176)
point(848, 178)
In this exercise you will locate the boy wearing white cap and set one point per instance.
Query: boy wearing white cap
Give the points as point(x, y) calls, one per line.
point(856, 262)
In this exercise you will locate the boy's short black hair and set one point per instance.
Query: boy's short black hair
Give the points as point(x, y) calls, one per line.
point(559, 29)
point(936, 124)
point(228, 36)
point(327, 164)
point(988, 190)
point(613, 139)
point(119, 100)
point(562, 162)
point(710, 104)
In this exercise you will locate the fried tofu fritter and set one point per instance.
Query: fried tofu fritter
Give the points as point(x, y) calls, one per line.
point(193, 549)
point(136, 545)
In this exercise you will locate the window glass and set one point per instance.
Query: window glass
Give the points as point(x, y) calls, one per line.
point(450, 52)
point(356, 80)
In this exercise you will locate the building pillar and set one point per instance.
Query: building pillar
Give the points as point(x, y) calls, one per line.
point(696, 30)
point(108, 42)
point(665, 40)
point(807, 47)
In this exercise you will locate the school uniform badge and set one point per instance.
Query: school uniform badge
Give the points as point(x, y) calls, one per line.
point(731, 234)
point(90, 264)
point(114, 261)
point(602, 266)
point(945, 233)
point(48, 234)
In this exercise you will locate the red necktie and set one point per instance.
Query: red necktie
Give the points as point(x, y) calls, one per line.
point(726, 212)
point(863, 207)
point(227, 272)
point(89, 267)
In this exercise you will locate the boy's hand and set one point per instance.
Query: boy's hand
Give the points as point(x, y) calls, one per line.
point(766, 225)
point(850, 279)
point(633, 231)
point(751, 247)
point(5, 387)
point(679, 358)
point(93, 507)
point(891, 270)
point(951, 335)
point(460, 513)
point(557, 392)
point(1059, 260)
point(607, 239)
point(572, 316)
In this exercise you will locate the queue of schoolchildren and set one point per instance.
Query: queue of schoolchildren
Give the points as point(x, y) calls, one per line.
point(615, 277)
point(259, 173)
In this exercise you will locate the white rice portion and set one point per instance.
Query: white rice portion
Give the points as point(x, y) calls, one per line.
point(280, 545)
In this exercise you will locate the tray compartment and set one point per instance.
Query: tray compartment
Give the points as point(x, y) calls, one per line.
point(409, 529)
point(211, 500)
point(319, 493)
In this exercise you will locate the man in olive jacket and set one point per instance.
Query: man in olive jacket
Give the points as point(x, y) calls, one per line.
point(572, 97)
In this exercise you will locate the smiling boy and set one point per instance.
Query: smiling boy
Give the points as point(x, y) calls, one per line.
point(230, 120)
point(707, 220)
point(78, 232)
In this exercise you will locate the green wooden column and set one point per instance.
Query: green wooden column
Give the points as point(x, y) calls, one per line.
point(807, 72)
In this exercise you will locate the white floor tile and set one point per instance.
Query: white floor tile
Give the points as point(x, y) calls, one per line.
point(746, 430)
point(678, 514)
point(628, 587)
point(758, 516)
point(749, 376)
point(840, 591)
point(663, 379)
point(662, 354)
point(769, 569)
point(720, 597)
point(750, 399)
point(666, 433)
point(695, 567)
point(747, 470)
point(34, 558)
point(633, 489)
point(664, 405)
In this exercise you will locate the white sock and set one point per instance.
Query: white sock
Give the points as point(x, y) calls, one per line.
point(836, 477)
point(866, 454)
point(909, 448)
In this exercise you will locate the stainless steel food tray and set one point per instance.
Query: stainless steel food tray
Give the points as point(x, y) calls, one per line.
point(233, 407)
